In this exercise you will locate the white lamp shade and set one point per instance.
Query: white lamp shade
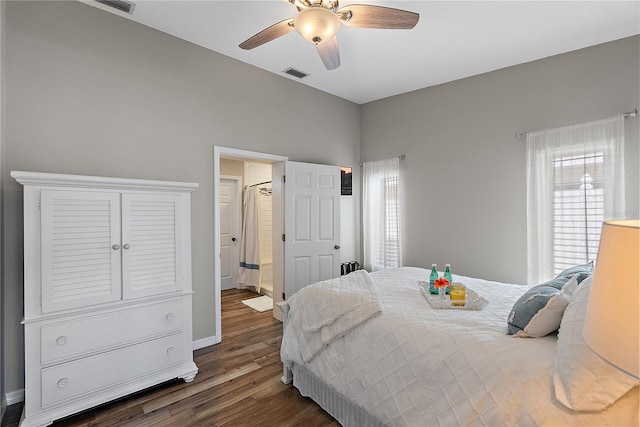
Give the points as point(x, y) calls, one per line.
point(612, 325)
point(317, 24)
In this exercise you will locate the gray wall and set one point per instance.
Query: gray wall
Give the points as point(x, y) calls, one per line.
point(91, 93)
point(464, 174)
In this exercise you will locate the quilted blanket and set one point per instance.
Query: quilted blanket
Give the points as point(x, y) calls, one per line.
point(412, 365)
point(330, 309)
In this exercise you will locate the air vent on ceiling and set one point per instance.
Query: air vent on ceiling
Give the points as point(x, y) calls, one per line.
point(122, 5)
point(295, 73)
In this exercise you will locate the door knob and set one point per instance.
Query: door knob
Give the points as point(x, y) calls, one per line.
point(115, 247)
point(337, 246)
point(233, 239)
point(126, 246)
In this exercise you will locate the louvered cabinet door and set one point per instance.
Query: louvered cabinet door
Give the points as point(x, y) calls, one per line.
point(151, 235)
point(80, 255)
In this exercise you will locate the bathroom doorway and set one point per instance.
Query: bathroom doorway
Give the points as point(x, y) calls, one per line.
point(254, 168)
point(246, 253)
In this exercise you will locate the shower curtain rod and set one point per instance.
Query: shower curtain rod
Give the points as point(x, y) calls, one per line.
point(260, 183)
point(627, 115)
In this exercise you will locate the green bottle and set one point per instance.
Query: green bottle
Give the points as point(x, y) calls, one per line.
point(447, 275)
point(432, 279)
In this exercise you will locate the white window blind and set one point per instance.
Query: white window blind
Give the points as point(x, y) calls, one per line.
point(381, 214)
point(578, 209)
point(575, 181)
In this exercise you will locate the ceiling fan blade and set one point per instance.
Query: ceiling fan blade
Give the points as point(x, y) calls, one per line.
point(368, 16)
point(330, 53)
point(268, 34)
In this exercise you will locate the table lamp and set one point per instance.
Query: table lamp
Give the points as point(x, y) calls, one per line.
point(612, 324)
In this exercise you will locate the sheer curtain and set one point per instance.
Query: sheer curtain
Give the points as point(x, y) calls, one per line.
point(575, 180)
point(381, 214)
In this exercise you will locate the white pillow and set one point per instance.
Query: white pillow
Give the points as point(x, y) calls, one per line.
point(581, 379)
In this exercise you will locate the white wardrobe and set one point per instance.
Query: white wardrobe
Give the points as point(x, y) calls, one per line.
point(107, 290)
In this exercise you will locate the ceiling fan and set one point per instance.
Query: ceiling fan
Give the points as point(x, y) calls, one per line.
point(318, 21)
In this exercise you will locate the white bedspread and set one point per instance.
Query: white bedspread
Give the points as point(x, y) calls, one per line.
point(330, 309)
point(416, 366)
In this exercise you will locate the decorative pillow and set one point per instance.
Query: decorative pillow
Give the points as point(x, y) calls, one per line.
point(571, 286)
point(581, 379)
point(583, 271)
point(539, 311)
point(557, 282)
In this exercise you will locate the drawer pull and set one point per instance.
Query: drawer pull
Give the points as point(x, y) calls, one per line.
point(63, 383)
point(171, 351)
point(62, 340)
point(169, 316)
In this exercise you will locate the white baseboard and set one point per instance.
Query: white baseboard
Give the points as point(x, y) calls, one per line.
point(205, 342)
point(15, 396)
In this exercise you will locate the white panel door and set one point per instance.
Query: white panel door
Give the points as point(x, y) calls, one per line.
point(80, 248)
point(311, 224)
point(229, 231)
point(151, 230)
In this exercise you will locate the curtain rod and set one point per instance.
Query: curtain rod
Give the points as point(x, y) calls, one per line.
point(627, 115)
point(401, 157)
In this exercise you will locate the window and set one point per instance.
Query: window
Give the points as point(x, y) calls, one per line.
point(575, 181)
point(381, 214)
point(578, 209)
point(391, 253)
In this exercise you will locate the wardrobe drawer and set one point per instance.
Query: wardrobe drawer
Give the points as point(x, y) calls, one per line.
point(92, 333)
point(80, 377)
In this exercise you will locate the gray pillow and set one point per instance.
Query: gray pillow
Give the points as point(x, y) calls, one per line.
point(557, 282)
point(539, 311)
point(583, 271)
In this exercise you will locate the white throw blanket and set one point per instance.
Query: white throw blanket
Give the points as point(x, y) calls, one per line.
point(330, 309)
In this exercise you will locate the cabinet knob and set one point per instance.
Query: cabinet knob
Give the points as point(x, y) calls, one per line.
point(171, 351)
point(115, 247)
point(63, 382)
point(169, 316)
point(62, 340)
point(126, 246)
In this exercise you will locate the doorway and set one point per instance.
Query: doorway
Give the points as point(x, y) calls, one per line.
point(220, 153)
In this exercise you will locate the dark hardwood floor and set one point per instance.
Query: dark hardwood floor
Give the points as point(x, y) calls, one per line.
point(238, 384)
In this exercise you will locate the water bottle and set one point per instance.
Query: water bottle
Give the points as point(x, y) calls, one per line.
point(447, 275)
point(432, 279)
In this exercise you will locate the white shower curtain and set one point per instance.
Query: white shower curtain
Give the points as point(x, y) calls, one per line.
point(249, 269)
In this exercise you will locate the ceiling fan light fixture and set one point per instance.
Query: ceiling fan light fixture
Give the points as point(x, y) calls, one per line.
point(317, 24)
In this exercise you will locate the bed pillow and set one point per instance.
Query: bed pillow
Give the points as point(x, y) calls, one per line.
point(581, 379)
point(539, 311)
point(571, 286)
point(583, 271)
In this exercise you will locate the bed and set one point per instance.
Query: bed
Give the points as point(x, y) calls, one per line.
point(410, 364)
